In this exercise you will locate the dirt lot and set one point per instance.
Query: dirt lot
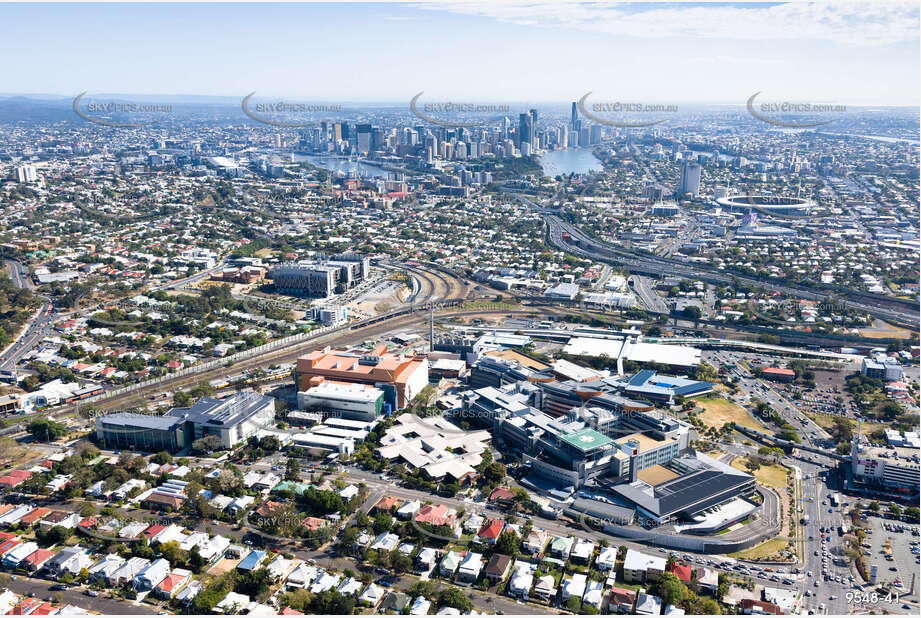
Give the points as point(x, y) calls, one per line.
point(718, 411)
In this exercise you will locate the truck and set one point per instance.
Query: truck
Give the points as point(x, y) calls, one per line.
point(834, 499)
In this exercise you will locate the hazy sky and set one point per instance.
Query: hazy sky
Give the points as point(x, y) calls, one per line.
point(469, 51)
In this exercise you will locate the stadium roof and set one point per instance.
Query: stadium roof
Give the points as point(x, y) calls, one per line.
point(707, 478)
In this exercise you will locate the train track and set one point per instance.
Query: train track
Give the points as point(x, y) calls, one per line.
point(141, 397)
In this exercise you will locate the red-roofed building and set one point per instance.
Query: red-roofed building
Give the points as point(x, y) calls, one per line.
point(152, 531)
point(313, 523)
point(265, 510)
point(89, 522)
point(681, 571)
point(171, 584)
point(490, 531)
point(502, 496)
point(385, 504)
point(751, 606)
point(24, 607)
point(36, 560)
point(44, 609)
point(36, 514)
point(287, 611)
point(620, 601)
point(436, 515)
point(14, 478)
point(776, 374)
point(8, 545)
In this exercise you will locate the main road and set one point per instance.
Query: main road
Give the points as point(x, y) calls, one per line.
point(582, 244)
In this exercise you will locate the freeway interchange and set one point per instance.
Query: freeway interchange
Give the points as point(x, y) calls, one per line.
point(886, 308)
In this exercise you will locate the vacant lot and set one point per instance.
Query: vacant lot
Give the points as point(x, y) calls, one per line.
point(718, 411)
point(759, 552)
point(771, 475)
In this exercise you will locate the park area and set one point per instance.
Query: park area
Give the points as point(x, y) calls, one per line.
point(770, 475)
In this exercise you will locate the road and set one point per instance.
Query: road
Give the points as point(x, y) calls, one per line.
point(876, 305)
point(40, 589)
point(18, 274)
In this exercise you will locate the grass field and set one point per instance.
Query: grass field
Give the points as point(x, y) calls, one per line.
point(758, 552)
point(771, 475)
point(890, 332)
point(826, 421)
point(718, 411)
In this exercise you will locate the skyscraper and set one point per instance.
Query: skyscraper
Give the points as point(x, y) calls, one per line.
point(690, 178)
point(533, 129)
point(575, 115)
point(524, 130)
point(364, 138)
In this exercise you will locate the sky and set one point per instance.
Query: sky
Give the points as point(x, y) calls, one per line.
point(845, 53)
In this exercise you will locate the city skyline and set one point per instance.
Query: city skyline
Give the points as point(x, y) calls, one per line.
point(708, 53)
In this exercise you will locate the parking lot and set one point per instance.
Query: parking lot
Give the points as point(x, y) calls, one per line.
point(903, 560)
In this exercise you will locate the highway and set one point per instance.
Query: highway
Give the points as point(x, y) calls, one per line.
point(882, 307)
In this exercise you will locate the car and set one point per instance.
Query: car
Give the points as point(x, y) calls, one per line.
point(59, 587)
point(661, 550)
point(833, 597)
point(816, 583)
point(894, 568)
point(92, 593)
point(13, 577)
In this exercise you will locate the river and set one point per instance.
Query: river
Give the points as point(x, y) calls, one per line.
point(569, 161)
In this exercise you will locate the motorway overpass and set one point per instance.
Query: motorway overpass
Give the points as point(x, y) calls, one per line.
point(894, 310)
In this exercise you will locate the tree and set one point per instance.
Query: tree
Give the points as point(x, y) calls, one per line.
point(163, 457)
point(454, 597)
point(670, 589)
point(400, 562)
point(87, 509)
point(895, 510)
point(283, 520)
point(46, 430)
point(493, 473)
point(383, 522)
point(292, 469)
point(269, 444)
point(207, 444)
point(256, 584)
point(508, 543)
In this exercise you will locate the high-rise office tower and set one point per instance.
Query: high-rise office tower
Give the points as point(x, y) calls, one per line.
point(596, 134)
point(364, 138)
point(690, 178)
point(574, 116)
point(533, 113)
point(524, 130)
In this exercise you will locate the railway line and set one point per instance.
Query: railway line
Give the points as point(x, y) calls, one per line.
point(894, 310)
point(431, 284)
point(285, 355)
